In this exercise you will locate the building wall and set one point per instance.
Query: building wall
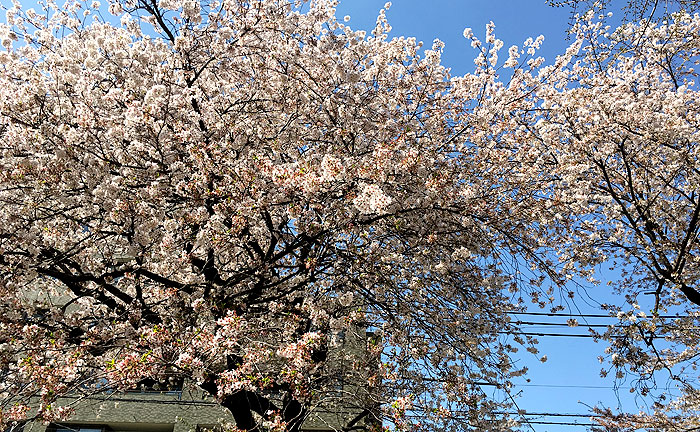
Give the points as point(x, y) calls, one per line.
point(175, 411)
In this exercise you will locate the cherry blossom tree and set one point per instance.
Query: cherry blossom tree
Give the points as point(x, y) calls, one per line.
point(620, 126)
point(293, 215)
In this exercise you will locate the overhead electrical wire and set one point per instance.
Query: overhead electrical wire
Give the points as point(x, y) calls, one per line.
point(561, 324)
point(572, 315)
point(576, 335)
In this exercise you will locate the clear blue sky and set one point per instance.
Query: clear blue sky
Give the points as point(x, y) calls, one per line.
point(515, 20)
point(569, 381)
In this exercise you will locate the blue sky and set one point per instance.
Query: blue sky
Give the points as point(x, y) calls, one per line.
point(515, 20)
point(569, 381)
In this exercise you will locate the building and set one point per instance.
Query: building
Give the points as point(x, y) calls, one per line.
point(182, 407)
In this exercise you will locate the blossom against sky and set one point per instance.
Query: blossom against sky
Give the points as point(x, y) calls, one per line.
point(446, 20)
point(569, 381)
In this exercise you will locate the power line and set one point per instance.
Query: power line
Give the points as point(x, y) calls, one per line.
point(548, 414)
point(554, 423)
point(566, 386)
point(584, 325)
point(562, 324)
point(577, 335)
point(491, 384)
point(531, 421)
point(570, 315)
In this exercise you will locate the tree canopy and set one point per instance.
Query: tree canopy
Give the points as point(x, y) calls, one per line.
point(296, 216)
